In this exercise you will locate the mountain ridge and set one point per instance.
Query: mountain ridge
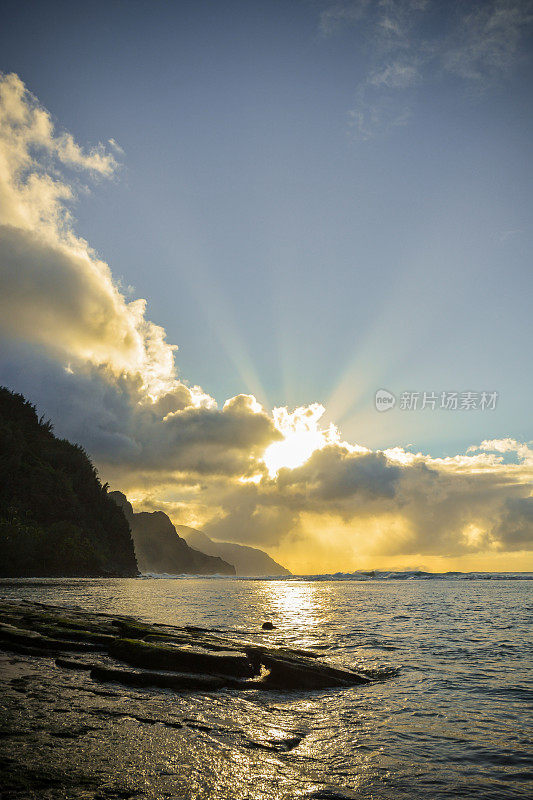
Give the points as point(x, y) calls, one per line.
point(160, 549)
point(248, 561)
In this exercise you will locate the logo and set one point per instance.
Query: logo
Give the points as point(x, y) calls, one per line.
point(384, 400)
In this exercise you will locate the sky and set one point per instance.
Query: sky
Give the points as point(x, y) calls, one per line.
point(226, 226)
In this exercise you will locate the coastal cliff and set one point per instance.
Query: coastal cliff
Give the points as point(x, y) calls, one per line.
point(56, 518)
point(160, 549)
point(248, 561)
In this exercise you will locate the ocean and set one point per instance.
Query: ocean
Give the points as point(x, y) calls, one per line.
point(447, 716)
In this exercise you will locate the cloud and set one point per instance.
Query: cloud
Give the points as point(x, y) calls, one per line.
point(111, 367)
point(396, 75)
point(523, 451)
point(66, 299)
point(486, 45)
point(26, 125)
point(106, 375)
point(182, 432)
point(516, 522)
point(54, 290)
point(31, 193)
point(372, 115)
point(411, 44)
point(338, 15)
point(380, 508)
point(334, 474)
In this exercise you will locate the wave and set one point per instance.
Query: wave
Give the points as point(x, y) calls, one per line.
point(176, 576)
point(366, 575)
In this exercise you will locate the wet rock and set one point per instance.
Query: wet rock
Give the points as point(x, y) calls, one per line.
point(207, 643)
point(133, 630)
point(180, 659)
point(9, 733)
point(67, 663)
point(11, 635)
point(275, 745)
point(198, 726)
point(291, 651)
point(179, 682)
point(296, 672)
point(74, 634)
point(285, 745)
point(267, 626)
point(52, 622)
point(72, 732)
point(189, 636)
point(20, 684)
point(24, 650)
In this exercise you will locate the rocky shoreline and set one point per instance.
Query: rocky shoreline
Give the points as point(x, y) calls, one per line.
point(124, 650)
point(96, 706)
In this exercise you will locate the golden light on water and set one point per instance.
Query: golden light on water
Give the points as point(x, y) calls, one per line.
point(297, 604)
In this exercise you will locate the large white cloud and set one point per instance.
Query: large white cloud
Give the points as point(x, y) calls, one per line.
point(54, 290)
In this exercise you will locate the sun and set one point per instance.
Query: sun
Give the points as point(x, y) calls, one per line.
point(301, 437)
point(291, 452)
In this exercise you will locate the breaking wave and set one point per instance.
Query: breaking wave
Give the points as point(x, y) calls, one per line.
point(367, 575)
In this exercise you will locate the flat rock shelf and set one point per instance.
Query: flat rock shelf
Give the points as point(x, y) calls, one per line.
point(119, 649)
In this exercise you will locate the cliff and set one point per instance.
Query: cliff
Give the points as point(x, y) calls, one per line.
point(160, 549)
point(56, 518)
point(247, 560)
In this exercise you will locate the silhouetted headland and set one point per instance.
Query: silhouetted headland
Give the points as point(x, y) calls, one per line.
point(159, 548)
point(56, 518)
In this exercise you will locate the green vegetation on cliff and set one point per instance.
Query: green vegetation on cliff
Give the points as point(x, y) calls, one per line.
point(56, 518)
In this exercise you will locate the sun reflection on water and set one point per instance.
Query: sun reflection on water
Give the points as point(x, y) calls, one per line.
point(298, 607)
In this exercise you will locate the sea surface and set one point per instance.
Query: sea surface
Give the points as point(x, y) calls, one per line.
point(448, 716)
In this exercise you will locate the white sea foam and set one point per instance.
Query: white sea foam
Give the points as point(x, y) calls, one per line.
point(371, 575)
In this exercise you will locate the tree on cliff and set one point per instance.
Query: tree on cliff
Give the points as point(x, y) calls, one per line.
point(55, 516)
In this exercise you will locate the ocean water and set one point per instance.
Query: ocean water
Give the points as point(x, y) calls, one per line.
point(448, 716)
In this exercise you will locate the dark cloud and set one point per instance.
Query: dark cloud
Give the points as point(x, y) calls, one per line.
point(440, 512)
point(111, 416)
point(515, 528)
point(334, 473)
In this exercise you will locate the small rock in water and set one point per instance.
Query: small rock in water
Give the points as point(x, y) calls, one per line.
point(268, 626)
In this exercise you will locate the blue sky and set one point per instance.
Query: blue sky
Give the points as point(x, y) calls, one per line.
point(316, 200)
point(279, 242)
